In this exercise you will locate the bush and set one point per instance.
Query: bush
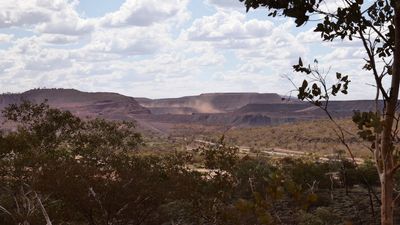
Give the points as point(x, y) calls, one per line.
point(321, 216)
point(308, 173)
point(369, 172)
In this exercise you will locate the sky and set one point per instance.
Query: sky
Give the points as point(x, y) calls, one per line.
point(163, 48)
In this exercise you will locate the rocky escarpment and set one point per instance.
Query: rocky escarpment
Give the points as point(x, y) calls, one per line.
point(216, 109)
point(96, 104)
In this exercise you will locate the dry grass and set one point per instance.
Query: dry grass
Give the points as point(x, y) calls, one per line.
point(310, 136)
point(317, 136)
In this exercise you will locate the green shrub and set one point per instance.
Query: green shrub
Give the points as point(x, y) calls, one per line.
point(308, 173)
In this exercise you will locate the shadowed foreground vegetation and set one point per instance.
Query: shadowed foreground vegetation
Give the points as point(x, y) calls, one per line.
point(59, 169)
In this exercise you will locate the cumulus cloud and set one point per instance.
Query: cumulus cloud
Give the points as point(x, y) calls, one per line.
point(275, 50)
point(309, 36)
point(227, 26)
point(29, 54)
point(22, 13)
point(70, 26)
point(345, 54)
point(146, 13)
point(45, 16)
point(129, 41)
point(150, 47)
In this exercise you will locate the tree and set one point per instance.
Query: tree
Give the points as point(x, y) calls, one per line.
point(82, 168)
point(376, 24)
point(56, 168)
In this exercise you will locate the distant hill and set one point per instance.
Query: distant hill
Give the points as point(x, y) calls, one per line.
point(96, 104)
point(302, 109)
point(242, 110)
point(208, 103)
point(213, 109)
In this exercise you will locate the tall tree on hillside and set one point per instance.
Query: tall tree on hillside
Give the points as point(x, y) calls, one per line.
point(375, 24)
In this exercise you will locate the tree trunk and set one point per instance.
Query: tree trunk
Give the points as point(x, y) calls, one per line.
point(386, 149)
point(387, 199)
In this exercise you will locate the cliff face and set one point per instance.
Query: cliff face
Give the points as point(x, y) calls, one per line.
point(99, 104)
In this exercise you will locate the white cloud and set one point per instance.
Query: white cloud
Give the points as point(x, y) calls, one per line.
point(29, 54)
point(129, 40)
point(21, 13)
point(5, 38)
point(309, 36)
point(227, 4)
point(70, 26)
point(149, 48)
point(58, 39)
point(64, 18)
point(147, 12)
point(44, 16)
point(227, 26)
point(332, 5)
point(279, 49)
point(345, 54)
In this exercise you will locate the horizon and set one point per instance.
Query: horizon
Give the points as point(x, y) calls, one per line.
point(144, 48)
point(183, 96)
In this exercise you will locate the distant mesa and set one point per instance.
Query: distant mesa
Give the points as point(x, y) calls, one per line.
point(84, 104)
point(208, 103)
point(215, 109)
